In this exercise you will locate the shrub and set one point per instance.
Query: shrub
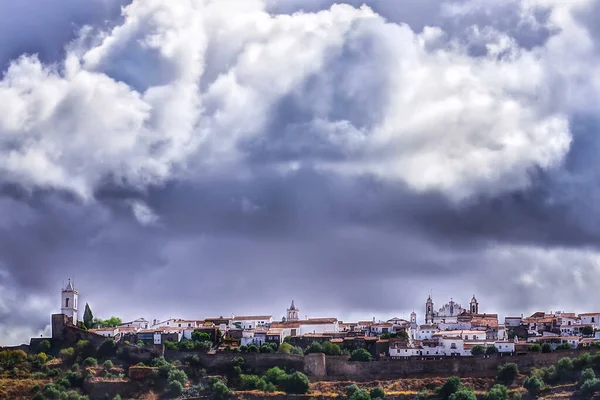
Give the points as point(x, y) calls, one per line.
point(220, 390)
point(177, 375)
point(491, 350)
point(517, 396)
point(296, 383)
point(351, 389)
point(268, 348)
point(35, 388)
point(331, 349)
point(534, 385)
point(360, 394)
point(449, 387)
point(535, 348)
point(275, 375)
point(423, 394)
point(463, 394)
point(117, 397)
point(377, 393)
point(297, 350)
point(41, 358)
point(243, 348)
point(75, 379)
point(51, 392)
point(171, 345)
point(590, 387)
point(285, 348)
point(546, 348)
point(315, 347)
point(67, 353)
point(63, 382)
point(73, 395)
point(478, 350)
point(253, 348)
point(252, 382)
point(497, 392)
point(586, 375)
point(44, 346)
point(564, 346)
point(360, 355)
point(564, 369)
point(507, 373)
point(582, 362)
point(90, 362)
point(175, 388)
point(38, 396)
point(108, 364)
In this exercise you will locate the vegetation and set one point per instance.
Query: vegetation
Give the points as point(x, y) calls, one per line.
point(507, 373)
point(535, 348)
point(534, 385)
point(497, 392)
point(478, 350)
point(360, 355)
point(450, 387)
point(88, 316)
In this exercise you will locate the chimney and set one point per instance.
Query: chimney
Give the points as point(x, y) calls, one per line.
point(373, 319)
point(154, 322)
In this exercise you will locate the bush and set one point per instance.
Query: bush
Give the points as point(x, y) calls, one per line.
point(38, 396)
point(547, 348)
point(90, 362)
point(535, 348)
point(517, 396)
point(477, 350)
point(423, 394)
point(360, 394)
point(63, 382)
point(351, 389)
point(331, 349)
point(108, 364)
point(491, 350)
point(117, 397)
point(175, 388)
point(315, 347)
point(590, 387)
point(73, 395)
point(296, 383)
point(582, 362)
point(565, 369)
point(252, 382)
point(497, 392)
point(75, 379)
point(507, 373)
point(377, 393)
point(564, 346)
point(220, 390)
point(463, 394)
point(534, 385)
point(275, 376)
point(201, 337)
point(297, 350)
point(35, 388)
point(586, 375)
point(360, 355)
point(51, 392)
point(171, 345)
point(67, 353)
point(253, 348)
point(449, 387)
point(268, 348)
point(285, 348)
point(41, 358)
point(177, 375)
point(44, 346)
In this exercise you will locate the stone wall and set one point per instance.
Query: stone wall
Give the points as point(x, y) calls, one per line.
point(256, 362)
point(315, 365)
point(101, 389)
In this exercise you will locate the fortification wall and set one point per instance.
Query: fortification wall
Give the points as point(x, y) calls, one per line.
point(256, 362)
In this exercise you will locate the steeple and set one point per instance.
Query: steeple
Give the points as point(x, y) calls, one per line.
point(293, 312)
point(69, 299)
point(474, 309)
point(429, 310)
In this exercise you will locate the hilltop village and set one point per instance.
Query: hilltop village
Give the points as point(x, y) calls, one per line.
point(448, 331)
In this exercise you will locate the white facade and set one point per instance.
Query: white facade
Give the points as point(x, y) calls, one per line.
point(157, 338)
point(512, 322)
point(447, 314)
point(505, 346)
point(139, 323)
point(69, 300)
point(252, 322)
point(590, 318)
point(106, 332)
point(251, 337)
point(426, 332)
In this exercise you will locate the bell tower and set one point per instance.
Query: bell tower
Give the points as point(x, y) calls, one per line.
point(429, 311)
point(474, 306)
point(413, 319)
point(69, 301)
point(292, 312)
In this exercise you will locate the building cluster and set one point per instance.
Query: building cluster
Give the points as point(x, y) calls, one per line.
point(450, 331)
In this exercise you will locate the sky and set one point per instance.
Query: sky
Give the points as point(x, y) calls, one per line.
point(198, 158)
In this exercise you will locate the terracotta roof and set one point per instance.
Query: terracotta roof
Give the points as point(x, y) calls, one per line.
point(383, 325)
point(337, 340)
point(297, 324)
point(251, 318)
point(132, 329)
point(428, 327)
point(589, 314)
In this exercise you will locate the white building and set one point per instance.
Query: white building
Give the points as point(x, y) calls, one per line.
point(448, 313)
point(250, 322)
point(505, 346)
point(426, 332)
point(106, 332)
point(175, 323)
point(139, 323)
point(69, 299)
point(590, 318)
point(256, 337)
point(513, 322)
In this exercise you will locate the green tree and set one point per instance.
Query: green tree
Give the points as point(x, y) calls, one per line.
point(463, 394)
point(565, 369)
point(296, 383)
point(449, 387)
point(535, 348)
point(590, 387)
point(253, 348)
point(587, 330)
point(44, 346)
point(315, 347)
point(360, 394)
point(177, 375)
point(534, 385)
point(491, 350)
point(402, 335)
point(360, 355)
point(219, 390)
point(201, 337)
point(275, 376)
point(377, 393)
point(286, 348)
point(497, 392)
point(111, 322)
point(108, 348)
point(88, 316)
point(331, 349)
point(478, 350)
point(586, 375)
point(90, 362)
point(175, 388)
point(507, 373)
point(546, 348)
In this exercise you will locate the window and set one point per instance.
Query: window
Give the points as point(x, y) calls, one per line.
point(453, 346)
point(474, 337)
point(179, 325)
point(593, 319)
point(67, 302)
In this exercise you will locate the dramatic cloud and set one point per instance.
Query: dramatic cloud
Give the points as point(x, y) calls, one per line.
point(179, 156)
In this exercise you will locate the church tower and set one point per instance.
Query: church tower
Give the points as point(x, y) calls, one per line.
point(292, 313)
point(474, 306)
point(429, 311)
point(413, 319)
point(69, 302)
